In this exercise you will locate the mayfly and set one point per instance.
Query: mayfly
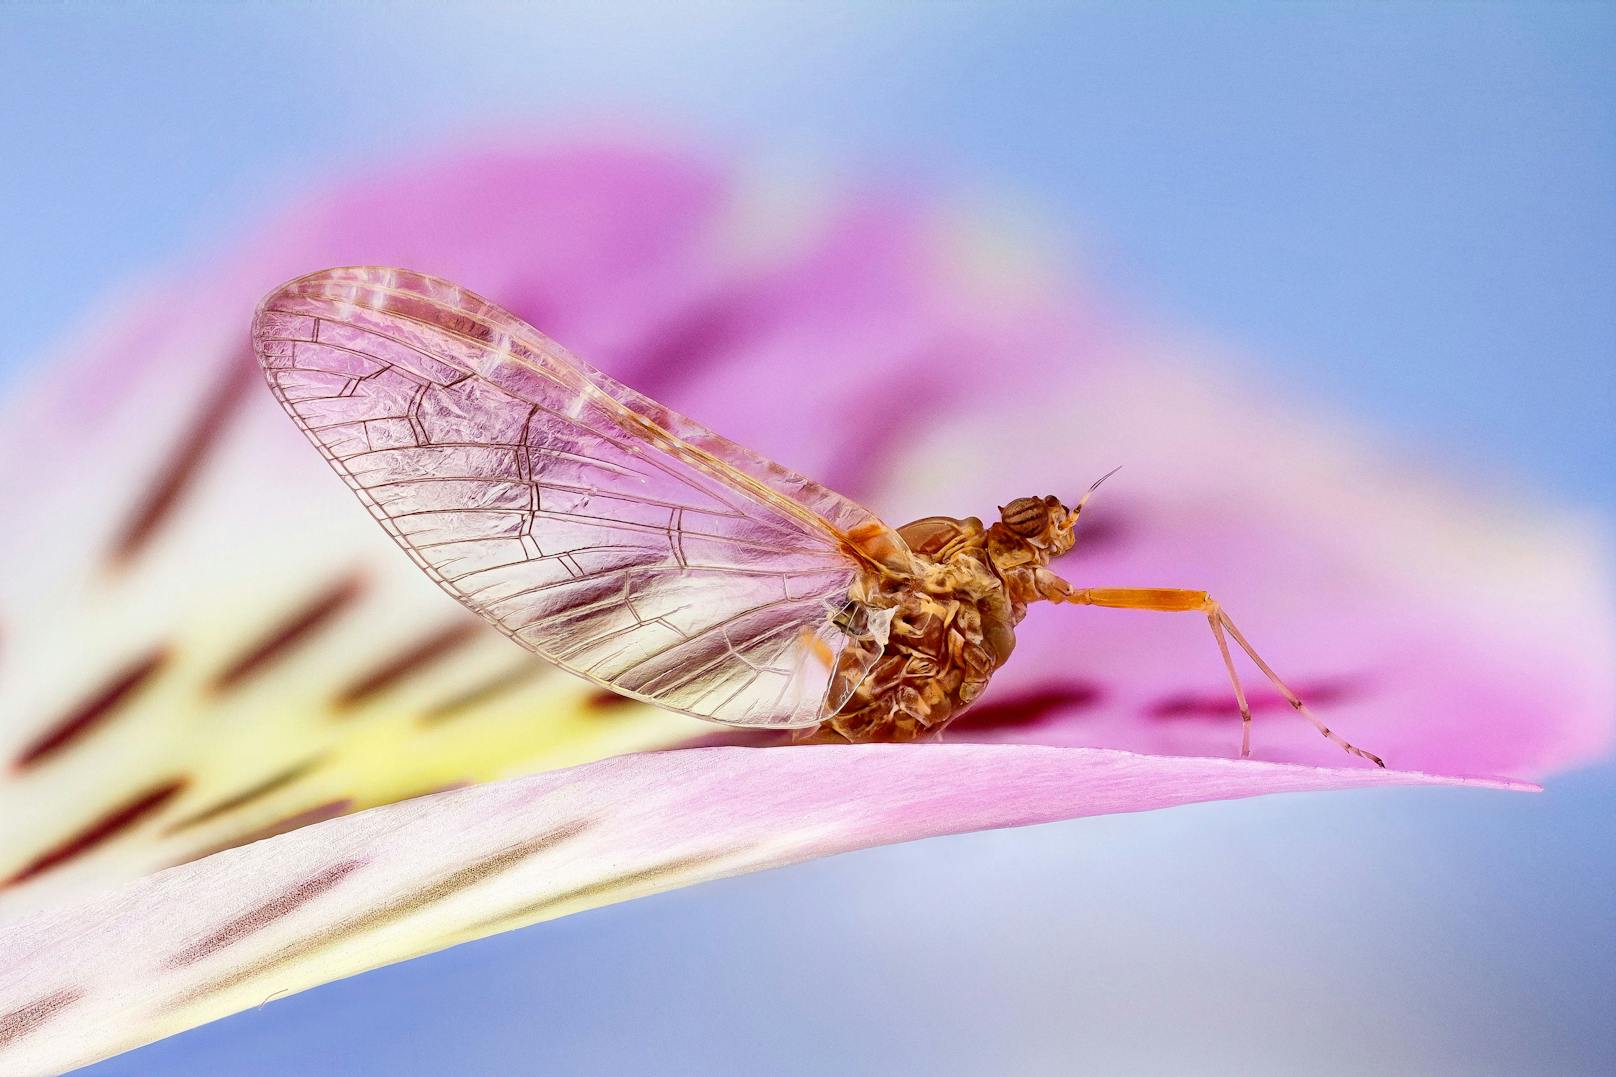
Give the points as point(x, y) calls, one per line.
point(639, 550)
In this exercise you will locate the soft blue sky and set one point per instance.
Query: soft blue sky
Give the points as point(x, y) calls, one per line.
point(1408, 209)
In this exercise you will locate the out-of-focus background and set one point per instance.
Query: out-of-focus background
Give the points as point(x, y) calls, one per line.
point(1408, 211)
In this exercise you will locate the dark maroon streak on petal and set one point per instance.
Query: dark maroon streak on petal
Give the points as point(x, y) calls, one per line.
point(309, 816)
point(104, 829)
point(273, 783)
point(284, 636)
point(405, 904)
point(1220, 704)
point(874, 431)
point(25, 1019)
point(94, 710)
point(414, 657)
point(644, 877)
point(692, 342)
point(1028, 708)
point(181, 466)
point(528, 671)
point(603, 700)
point(267, 913)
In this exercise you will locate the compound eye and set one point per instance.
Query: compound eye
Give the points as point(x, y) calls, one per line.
point(1026, 516)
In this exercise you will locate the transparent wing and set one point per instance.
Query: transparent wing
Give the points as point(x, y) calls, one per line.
point(588, 523)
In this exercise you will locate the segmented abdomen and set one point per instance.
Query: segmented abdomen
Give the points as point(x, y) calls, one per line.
point(945, 641)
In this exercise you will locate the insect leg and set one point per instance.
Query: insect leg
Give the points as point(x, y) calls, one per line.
point(1291, 697)
point(1234, 679)
point(1175, 600)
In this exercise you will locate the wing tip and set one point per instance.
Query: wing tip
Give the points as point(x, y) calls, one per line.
point(365, 285)
point(277, 324)
point(394, 277)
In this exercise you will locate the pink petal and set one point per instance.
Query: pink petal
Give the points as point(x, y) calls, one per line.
point(174, 526)
point(245, 926)
point(1450, 629)
point(1439, 629)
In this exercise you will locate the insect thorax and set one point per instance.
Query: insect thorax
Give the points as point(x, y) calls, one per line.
point(952, 626)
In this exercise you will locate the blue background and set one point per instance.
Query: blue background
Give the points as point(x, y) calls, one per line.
point(1409, 210)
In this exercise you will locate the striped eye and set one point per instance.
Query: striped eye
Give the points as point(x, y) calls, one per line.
point(1026, 516)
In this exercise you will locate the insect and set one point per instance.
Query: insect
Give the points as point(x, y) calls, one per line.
point(639, 550)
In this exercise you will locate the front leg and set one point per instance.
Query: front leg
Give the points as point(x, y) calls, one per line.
point(1031, 583)
point(1177, 600)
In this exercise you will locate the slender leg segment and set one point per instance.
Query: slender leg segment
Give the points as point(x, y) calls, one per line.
point(1234, 679)
point(1172, 600)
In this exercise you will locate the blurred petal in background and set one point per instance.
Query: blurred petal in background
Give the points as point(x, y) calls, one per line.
point(1421, 237)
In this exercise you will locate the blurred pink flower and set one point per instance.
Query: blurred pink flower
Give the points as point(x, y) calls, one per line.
point(211, 645)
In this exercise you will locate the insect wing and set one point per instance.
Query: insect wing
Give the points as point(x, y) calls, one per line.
point(588, 523)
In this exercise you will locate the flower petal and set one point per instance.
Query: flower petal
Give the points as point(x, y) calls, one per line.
point(244, 926)
point(211, 643)
point(1447, 629)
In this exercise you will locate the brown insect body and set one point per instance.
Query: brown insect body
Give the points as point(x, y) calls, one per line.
point(952, 623)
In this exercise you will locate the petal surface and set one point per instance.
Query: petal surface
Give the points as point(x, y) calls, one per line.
point(1451, 628)
point(206, 644)
point(203, 641)
point(245, 926)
